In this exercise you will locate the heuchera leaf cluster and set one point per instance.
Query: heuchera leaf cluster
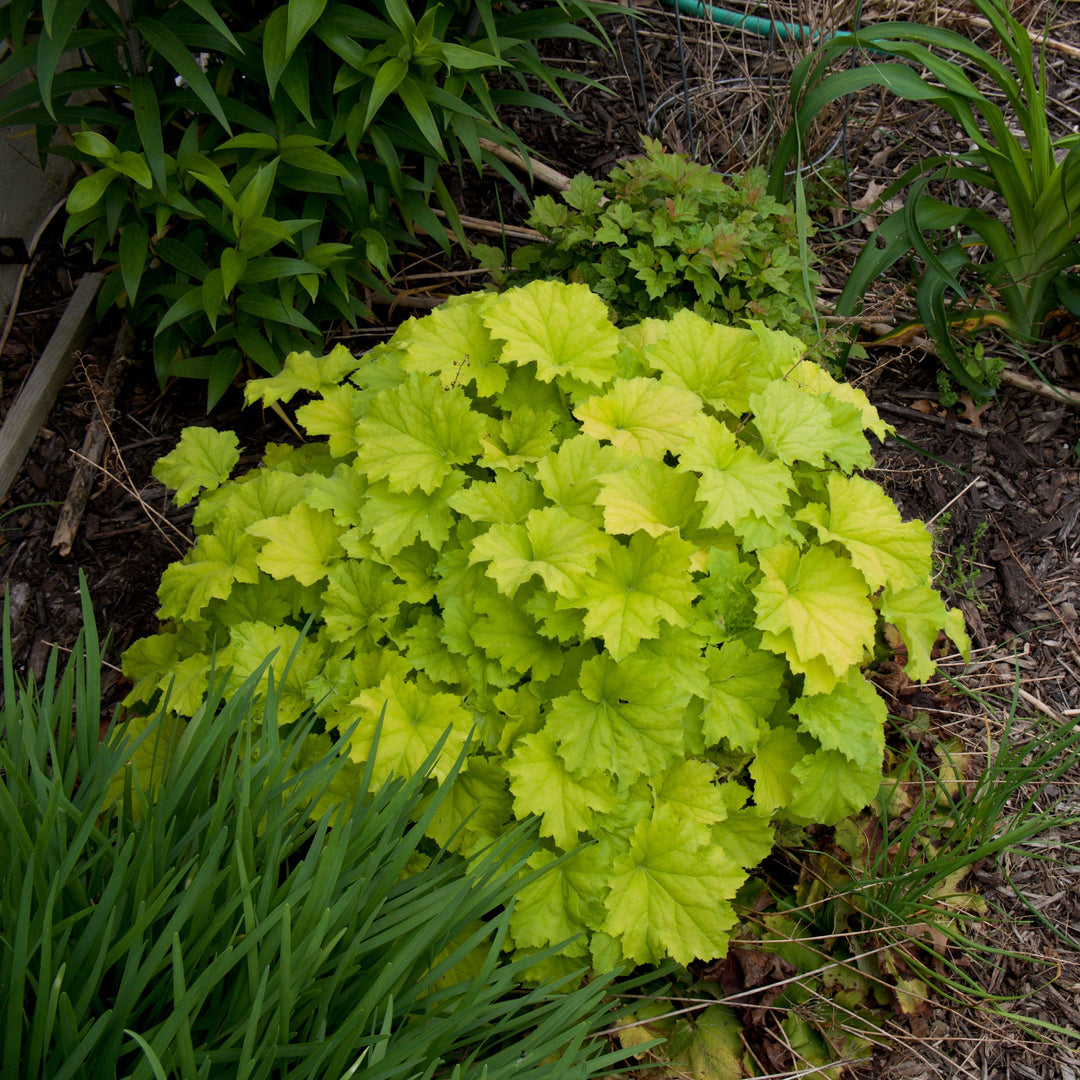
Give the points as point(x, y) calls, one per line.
point(636, 565)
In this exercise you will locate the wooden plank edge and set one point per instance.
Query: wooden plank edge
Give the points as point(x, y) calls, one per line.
point(38, 395)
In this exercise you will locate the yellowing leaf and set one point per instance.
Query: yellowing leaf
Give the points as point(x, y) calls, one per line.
point(415, 433)
point(543, 785)
point(203, 458)
point(821, 599)
point(640, 416)
point(562, 329)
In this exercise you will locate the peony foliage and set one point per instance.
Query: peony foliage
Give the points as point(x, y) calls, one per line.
point(636, 568)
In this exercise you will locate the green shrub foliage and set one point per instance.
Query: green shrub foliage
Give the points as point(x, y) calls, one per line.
point(637, 563)
point(217, 918)
point(254, 166)
point(663, 233)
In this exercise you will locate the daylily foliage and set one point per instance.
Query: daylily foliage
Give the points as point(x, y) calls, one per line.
point(634, 564)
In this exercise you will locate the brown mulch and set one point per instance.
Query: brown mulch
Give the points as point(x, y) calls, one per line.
point(1001, 487)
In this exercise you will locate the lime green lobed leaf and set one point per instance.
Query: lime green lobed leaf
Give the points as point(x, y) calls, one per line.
point(866, 522)
point(203, 458)
point(414, 434)
point(636, 588)
point(395, 519)
point(562, 329)
point(508, 634)
point(649, 498)
point(543, 785)
point(522, 439)
point(207, 572)
point(723, 365)
point(626, 720)
point(563, 903)
point(829, 787)
point(558, 548)
point(335, 415)
point(745, 686)
point(413, 722)
point(919, 614)
point(821, 599)
point(850, 719)
point(259, 494)
point(689, 790)
point(303, 371)
point(301, 544)
point(506, 500)
point(453, 344)
point(794, 425)
point(737, 485)
point(669, 894)
point(776, 755)
point(640, 416)
point(571, 477)
point(359, 598)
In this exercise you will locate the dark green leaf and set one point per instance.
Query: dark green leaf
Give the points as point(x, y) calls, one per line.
point(314, 160)
point(179, 255)
point(387, 80)
point(53, 44)
point(303, 15)
point(412, 95)
point(134, 243)
point(164, 41)
point(206, 10)
point(148, 124)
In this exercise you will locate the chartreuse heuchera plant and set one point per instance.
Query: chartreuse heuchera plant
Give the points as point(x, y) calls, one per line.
point(634, 565)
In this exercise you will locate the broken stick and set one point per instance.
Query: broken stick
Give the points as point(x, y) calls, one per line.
point(93, 447)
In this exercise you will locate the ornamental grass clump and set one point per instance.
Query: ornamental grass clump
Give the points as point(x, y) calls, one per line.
point(635, 565)
point(231, 909)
